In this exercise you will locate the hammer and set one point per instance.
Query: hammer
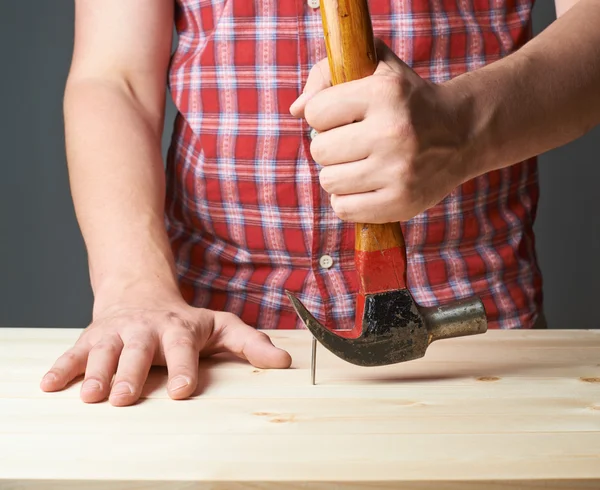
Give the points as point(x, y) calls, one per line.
point(390, 327)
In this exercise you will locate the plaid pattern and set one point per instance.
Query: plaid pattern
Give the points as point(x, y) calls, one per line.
point(245, 211)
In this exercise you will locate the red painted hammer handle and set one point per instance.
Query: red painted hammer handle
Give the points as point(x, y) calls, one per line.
point(380, 250)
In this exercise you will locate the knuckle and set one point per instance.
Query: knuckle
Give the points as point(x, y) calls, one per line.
point(142, 319)
point(173, 317)
point(181, 341)
point(320, 70)
point(123, 320)
point(340, 210)
point(262, 337)
point(143, 346)
point(182, 369)
point(311, 113)
point(327, 181)
point(176, 321)
point(101, 377)
point(203, 320)
point(386, 87)
point(57, 372)
point(227, 319)
point(107, 347)
point(70, 356)
point(399, 128)
point(318, 151)
point(375, 213)
point(110, 345)
point(316, 70)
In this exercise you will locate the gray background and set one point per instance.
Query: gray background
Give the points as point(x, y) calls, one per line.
point(43, 271)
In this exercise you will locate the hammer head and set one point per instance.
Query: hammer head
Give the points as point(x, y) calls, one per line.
point(389, 326)
point(395, 329)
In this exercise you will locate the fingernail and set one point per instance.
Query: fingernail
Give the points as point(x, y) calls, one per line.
point(49, 378)
point(91, 385)
point(178, 382)
point(122, 388)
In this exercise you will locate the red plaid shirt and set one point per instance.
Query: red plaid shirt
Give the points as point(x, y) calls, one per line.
point(245, 211)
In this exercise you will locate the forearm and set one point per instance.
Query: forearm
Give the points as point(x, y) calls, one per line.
point(543, 96)
point(117, 183)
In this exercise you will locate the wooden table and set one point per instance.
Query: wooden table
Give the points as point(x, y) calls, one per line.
point(507, 409)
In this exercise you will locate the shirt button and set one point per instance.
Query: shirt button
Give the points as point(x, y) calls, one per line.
point(313, 133)
point(314, 4)
point(326, 261)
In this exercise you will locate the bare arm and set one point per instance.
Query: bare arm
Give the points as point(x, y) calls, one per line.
point(416, 141)
point(543, 96)
point(563, 5)
point(114, 112)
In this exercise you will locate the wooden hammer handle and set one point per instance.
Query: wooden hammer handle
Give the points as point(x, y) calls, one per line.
point(380, 251)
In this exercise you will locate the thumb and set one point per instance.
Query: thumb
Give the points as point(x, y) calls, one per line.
point(248, 343)
point(388, 60)
point(319, 79)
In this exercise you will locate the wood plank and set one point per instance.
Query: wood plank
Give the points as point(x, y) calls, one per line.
point(328, 416)
point(518, 351)
point(458, 364)
point(277, 458)
point(238, 379)
point(518, 409)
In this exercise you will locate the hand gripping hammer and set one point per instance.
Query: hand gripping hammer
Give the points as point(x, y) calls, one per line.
point(389, 326)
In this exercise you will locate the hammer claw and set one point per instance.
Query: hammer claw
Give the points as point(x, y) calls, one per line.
point(390, 327)
point(400, 343)
point(395, 329)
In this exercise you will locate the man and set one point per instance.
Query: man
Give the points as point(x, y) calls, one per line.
point(263, 184)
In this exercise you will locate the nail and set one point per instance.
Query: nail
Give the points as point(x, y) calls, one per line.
point(122, 388)
point(49, 378)
point(178, 382)
point(91, 385)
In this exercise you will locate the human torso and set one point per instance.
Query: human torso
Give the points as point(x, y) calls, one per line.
point(245, 211)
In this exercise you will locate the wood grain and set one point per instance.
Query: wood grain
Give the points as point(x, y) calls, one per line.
point(504, 410)
point(349, 39)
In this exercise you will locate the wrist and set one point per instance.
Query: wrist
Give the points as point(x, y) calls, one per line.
point(149, 275)
point(473, 120)
point(140, 258)
point(134, 290)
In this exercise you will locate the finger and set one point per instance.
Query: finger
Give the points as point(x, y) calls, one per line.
point(344, 144)
point(248, 343)
point(134, 366)
point(339, 105)
point(370, 207)
point(319, 79)
point(351, 178)
point(181, 352)
point(66, 368)
point(101, 366)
